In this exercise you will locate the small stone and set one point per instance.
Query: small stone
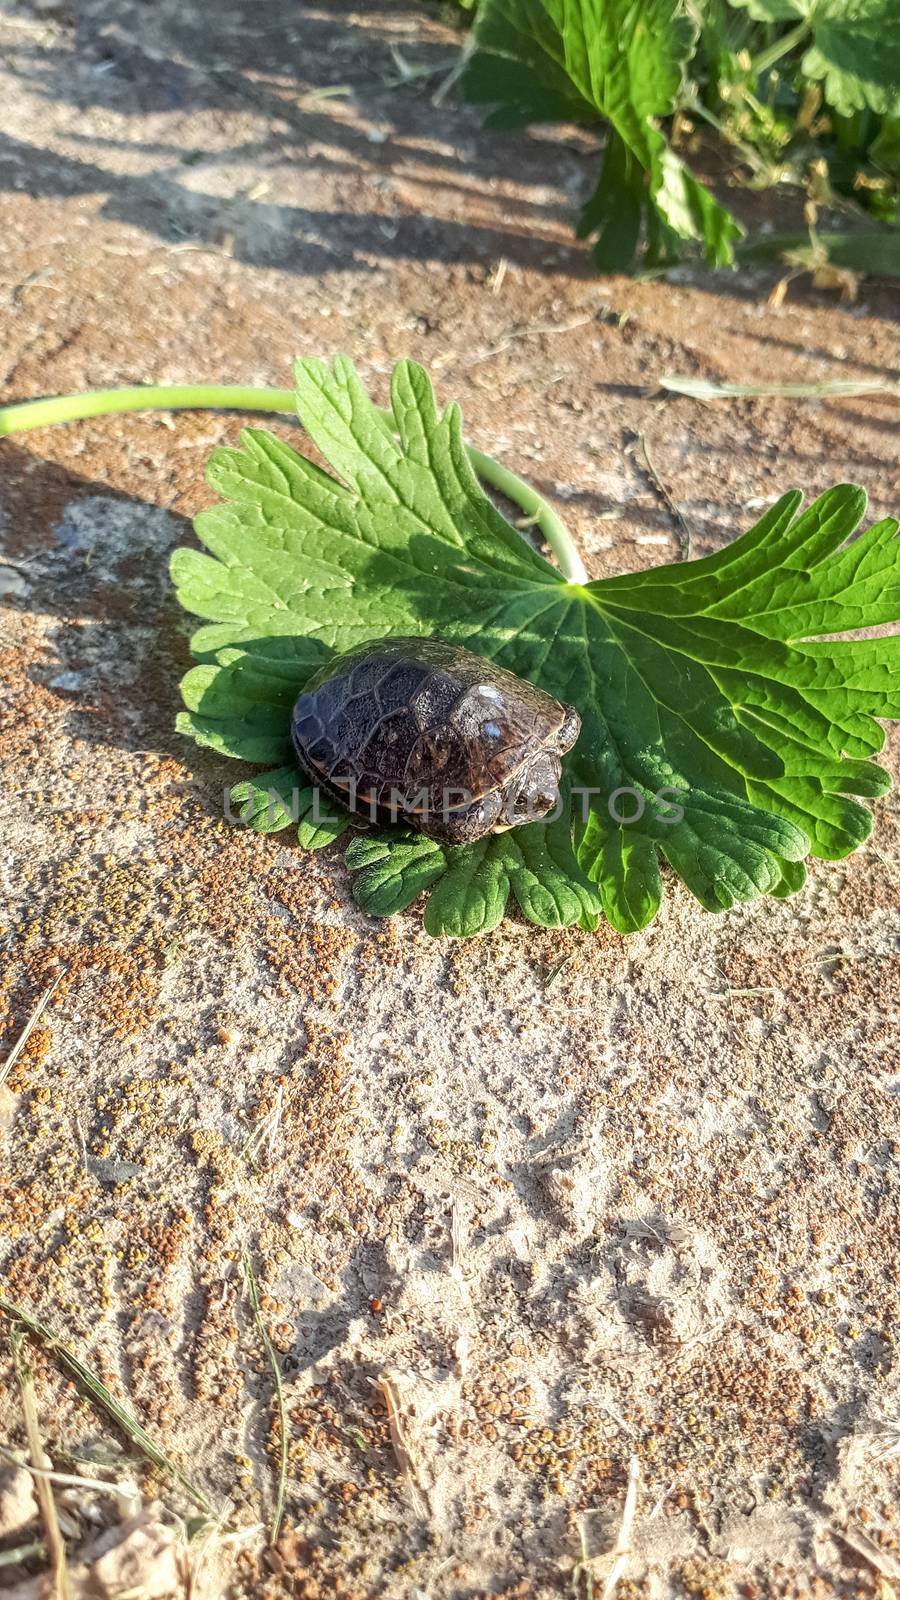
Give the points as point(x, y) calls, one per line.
point(12, 583)
point(18, 1507)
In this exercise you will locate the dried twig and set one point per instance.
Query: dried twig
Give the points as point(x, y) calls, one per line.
point(402, 1449)
point(457, 1236)
point(40, 1463)
point(278, 1512)
point(687, 532)
point(32, 1022)
point(98, 1392)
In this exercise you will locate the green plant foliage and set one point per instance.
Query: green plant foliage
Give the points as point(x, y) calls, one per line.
point(853, 47)
point(802, 90)
point(550, 60)
point(281, 799)
point(715, 686)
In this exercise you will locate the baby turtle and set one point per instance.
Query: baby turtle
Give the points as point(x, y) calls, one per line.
point(425, 732)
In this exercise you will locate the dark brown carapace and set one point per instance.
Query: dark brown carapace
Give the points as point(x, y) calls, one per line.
point(427, 733)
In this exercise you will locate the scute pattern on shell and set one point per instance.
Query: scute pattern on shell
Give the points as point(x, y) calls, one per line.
point(418, 714)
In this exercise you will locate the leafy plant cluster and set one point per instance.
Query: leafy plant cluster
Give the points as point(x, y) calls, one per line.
point(729, 680)
point(799, 91)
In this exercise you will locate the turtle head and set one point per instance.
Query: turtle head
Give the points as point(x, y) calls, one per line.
point(534, 790)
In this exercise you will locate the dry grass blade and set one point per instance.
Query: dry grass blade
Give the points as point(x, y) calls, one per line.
point(100, 1395)
point(863, 1545)
point(456, 71)
point(32, 1022)
point(267, 1129)
point(622, 1548)
point(40, 1462)
point(531, 330)
point(582, 1568)
point(278, 1512)
point(703, 389)
point(68, 1479)
point(554, 971)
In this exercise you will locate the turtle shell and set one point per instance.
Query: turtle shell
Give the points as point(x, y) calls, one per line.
point(410, 719)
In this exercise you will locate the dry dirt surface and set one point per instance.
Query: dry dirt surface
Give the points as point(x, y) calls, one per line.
point(527, 1214)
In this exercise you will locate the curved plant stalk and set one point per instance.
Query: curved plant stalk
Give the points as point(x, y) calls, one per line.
point(143, 397)
point(767, 58)
point(210, 396)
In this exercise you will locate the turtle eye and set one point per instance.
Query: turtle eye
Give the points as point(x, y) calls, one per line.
point(530, 802)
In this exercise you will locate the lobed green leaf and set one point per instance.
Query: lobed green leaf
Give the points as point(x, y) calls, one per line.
point(731, 698)
point(584, 60)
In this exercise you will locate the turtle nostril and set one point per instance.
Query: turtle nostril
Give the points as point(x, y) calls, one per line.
point(539, 792)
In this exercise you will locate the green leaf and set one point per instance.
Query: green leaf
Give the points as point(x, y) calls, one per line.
point(854, 48)
point(285, 798)
point(793, 879)
point(243, 713)
point(728, 704)
point(625, 865)
point(394, 871)
point(584, 60)
point(474, 882)
point(319, 823)
point(615, 210)
point(269, 804)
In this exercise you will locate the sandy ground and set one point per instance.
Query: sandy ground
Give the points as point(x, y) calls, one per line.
point(642, 1209)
